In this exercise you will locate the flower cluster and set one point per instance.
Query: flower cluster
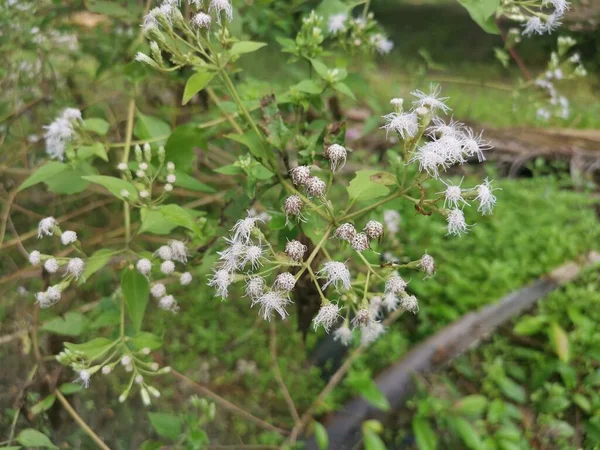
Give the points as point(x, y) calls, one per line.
point(74, 268)
point(358, 32)
point(61, 132)
point(166, 258)
point(373, 230)
point(536, 16)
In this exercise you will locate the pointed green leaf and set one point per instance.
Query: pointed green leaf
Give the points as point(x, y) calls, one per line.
point(245, 47)
point(560, 342)
point(195, 84)
point(424, 434)
point(96, 125)
point(33, 438)
point(114, 185)
point(72, 324)
point(148, 127)
point(94, 263)
point(166, 425)
point(180, 216)
point(321, 436)
point(363, 187)
point(135, 290)
point(43, 173)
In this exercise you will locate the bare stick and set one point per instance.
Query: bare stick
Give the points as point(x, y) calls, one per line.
point(277, 373)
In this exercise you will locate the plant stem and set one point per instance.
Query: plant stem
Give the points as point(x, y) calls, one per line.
point(128, 135)
point(366, 209)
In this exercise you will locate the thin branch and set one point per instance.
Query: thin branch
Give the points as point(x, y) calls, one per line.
point(277, 373)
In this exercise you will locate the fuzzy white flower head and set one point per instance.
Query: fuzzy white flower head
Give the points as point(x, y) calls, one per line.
point(273, 302)
point(295, 250)
point(233, 255)
point(221, 279)
point(429, 159)
point(453, 194)
point(405, 124)
point(84, 378)
point(474, 144)
point(126, 360)
point(202, 20)
point(106, 370)
point(46, 227)
point(382, 44)
point(168, 303)
point(553, 21)
point(170, 166)
point(57, 135)
point(560, 6)
point(390, 301)
point(253, 255)
point(255, 286)
point(171, 178)
point(164, 252)
point(360, 242)
point(144, 194)
point(431, 101)
point(143, 58)
point(315, 187)
point(345, 232)
point(395, 284)
point(392, 220)
point(335, 273)
point(48, 298)
point(337, 155)
point(343, 335)
point(300, 175)
point(179, 251)
point(158, 290)
point(51, 265)
point(167, 267)
point(144, 266)
point(441, 128)
point(410, 304)
point(450, 148)
point(243, 229)
point(68, 237)
point(362, 318)
point(485, 197)
point(337, 23)
point(221, 6)
point(373, 229)
point(34, 258)
point(375, 306)
point(75, 267)
point(185, 278)
point(371, 333)
point(327, 316)
point(168, 187)
point(285, 282)
point(427, 265)
point(397, 102)
point(456, 222)
point(534, 25)
point(71, 114)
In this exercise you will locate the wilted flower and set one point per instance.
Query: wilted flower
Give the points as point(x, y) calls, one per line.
point(410, 304)
point(395, 284)
point(255, 286)
point(202, 20)
point(390, 301)
point(300, 175)
point(179, 251)
point(345, 232)
point(360, 242)
point(243, 228)
point(327, 316)
point(337, 155)
point(427, 264)
point(285, 282)
point(293, 206)
point(371, 333)
point(295, 250)
point(373, 229)
point(315, 187)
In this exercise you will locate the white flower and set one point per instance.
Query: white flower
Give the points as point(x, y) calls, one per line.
point(221, 279)
point(427, 264)
point(144, 166)
point(390, 301)
point(219, 6)
point(185, 278)
point(453, 194)
point(285, 282)
point(140, 174)
point(369, 334)
point(405, 124)
point(456, 222)
point(144, 194)
point(46, 227)
point(164, 252)
point(139, 379)
point(179, 251)
point(158, 290)
point(71, 114)
point(34, 258)
point(543, 114)
point(144, 266)
point(253, 255)
point(560, 6)
point(373, 229)
point(392, 220)
point(335, 273)
point(202, 20)
point(51, 265)
point(295, 250)
point(337, 155)
point(122, 166)
point(382, 44)
point(534, 26)
point(362, 318)
point(315, 187)
point(106, 370)
point(553, 22)
point(395, 284)
point(450, 148)
point(170, 166)
point(255, 287)
point(300, 175)
point(167, 267)
point(68, 237)
point(243, 229)
point(429, 159)
point(343, 334)
point(171, 178)
point(486, 199)
point(168, 303)
point(327, 316)
point(168, 187)
point(410, 304)
point(126, 360)
point(75, 267)
point(84, 377)
point(360, 242)
point(337, 23)
point(375, 306)
point(48, 298)
point(475, 145)
point(441, 128)
point(270, 302)
point(345, 232)
point(143, 58)
point(233, 255)
point(431, 101)
point(59, 133)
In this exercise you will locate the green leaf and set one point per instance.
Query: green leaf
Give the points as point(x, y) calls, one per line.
point(343, 89)
point(112, 9)
point(254, 144)
point(320, 67)
point(114, 185)
point(308, 87)
point(245, 47)
point(385, 178)
point(72, 324)
point(529, 325)
point(363, 187)
point(153, 221)
point(560, 342)
point(181, 217)
point(70, 388)
point(43, 405)
point(512, 390)
point(321, 436)
point(482, 12)
point(91, 349)
point(369, 390)
point(71, 181)
point(471, 405)
point(195, 84)
point(96, 125)
point(135, 290)
point(148, 127)
point(372, 442)
point(33, 438)
point(424, 434)
point(143, 339)
point(43, 173)
point(94, 263)
point(189, 182)
point(166, 425)
point(583, 402)
point(182, 144)
point(467, 433)
point(229, 169)
point(96, 149)
point(260, 172)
